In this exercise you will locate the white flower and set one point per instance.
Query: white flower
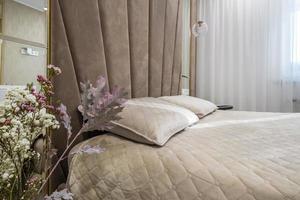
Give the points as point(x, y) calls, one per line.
point(30, 98)
point(13, 129)
point(29, 115)
point(3, 128)
point(2, 120)
point(56, 127)
point(43, 111)
point(36, 122)
point(5, 176)
point(13, 134)
point(24, 142)
point(19, 133)
point(14, 121)
point(6, 135)
point(7, 107)
point(2, 110)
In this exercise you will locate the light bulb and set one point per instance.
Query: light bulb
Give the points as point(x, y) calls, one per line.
point(199, 28)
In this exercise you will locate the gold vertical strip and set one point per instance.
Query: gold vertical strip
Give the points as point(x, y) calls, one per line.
point(193, 20)
point(2, 45)
point(49, 33)
point(48, 131)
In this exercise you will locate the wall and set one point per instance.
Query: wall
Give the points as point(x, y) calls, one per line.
point(26, 28)
point(21, 69)
point(23, 22)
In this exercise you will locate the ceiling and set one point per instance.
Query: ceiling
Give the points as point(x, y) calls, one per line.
point(35, 4)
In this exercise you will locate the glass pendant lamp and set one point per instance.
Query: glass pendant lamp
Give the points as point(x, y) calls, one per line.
point(199, 28)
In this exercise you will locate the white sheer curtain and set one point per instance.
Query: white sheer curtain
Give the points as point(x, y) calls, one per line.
point(250, 56)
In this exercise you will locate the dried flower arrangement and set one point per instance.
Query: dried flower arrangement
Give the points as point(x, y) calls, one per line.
point(27, 113)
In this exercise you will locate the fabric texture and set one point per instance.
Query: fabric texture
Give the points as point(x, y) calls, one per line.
point(225, 156)
point(250, 56)
point(198, 106)
point(152, 121)
point(135, 44)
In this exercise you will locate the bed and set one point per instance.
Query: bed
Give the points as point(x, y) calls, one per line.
point(225, 156)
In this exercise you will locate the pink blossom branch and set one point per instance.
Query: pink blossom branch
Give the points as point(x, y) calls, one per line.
point(98, 107)
point(59, 160)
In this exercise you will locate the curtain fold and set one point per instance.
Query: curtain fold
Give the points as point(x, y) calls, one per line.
point(246, 57)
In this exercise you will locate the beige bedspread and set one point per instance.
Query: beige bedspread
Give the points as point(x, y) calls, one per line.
point(226, 156)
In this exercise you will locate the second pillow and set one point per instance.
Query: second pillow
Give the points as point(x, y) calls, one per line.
point(198, 106)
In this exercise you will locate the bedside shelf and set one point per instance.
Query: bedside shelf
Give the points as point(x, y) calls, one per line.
point(225, 107)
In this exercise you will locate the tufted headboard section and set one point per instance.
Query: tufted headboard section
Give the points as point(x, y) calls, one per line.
point(136, 44)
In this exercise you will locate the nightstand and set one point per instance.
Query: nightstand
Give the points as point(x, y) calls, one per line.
point(225, 107)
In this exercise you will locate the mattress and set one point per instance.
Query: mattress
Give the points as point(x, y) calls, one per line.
point(228, 155)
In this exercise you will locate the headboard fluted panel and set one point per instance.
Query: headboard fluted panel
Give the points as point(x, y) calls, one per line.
point(136, 44)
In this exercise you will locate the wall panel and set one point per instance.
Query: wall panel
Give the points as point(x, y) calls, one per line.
point(138, 19)
point(156, 45)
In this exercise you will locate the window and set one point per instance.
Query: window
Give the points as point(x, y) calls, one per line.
point(295, 44)
point(296, 38)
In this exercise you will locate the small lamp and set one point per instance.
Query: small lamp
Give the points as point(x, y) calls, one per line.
point(199, 28)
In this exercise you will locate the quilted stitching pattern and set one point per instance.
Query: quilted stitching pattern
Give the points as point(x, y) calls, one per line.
point(250, 161)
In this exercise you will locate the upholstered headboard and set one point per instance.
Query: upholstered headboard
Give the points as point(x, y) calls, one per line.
point(136, 44)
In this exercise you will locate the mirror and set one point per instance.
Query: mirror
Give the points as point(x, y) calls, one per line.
point(23, 41)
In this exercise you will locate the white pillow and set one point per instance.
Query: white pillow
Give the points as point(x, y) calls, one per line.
point(152, 121)
point(198, 106)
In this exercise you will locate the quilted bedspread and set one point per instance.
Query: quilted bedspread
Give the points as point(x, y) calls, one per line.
point(226, 156)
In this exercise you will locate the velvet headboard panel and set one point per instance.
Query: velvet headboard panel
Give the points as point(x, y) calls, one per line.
point(136, 44)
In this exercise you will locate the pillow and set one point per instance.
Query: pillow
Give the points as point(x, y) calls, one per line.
point(198, 106)
point(152, 121)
